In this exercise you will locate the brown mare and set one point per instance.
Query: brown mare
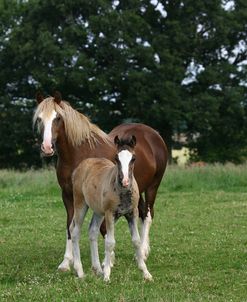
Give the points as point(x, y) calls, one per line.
point(111, 191)
point(75, 138)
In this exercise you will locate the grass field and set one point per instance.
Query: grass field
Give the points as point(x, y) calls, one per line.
point(198, 241)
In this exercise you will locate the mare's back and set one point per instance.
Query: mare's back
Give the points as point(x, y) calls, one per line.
point(151, 152)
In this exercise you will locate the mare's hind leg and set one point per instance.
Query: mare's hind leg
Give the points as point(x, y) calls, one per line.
point(75, 229)
point(94, 229)
point(146, 222)
point(68, 255)
point(147, 218)
point(133, 221)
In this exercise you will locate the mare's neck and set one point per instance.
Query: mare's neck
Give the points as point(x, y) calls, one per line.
point(69, 154)
point(72, 155)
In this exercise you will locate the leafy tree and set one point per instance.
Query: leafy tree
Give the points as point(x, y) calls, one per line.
point(178, 66)
point(17, 136)
point(216, 113)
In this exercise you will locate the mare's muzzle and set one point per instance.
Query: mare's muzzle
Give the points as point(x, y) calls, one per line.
point(48, 150)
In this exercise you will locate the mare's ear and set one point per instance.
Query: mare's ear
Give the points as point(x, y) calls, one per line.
point(57, 97)
point(39, 97)
point(133, 141)
point(116, 140)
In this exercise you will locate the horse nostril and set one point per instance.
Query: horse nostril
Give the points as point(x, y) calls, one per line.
point(125, 182)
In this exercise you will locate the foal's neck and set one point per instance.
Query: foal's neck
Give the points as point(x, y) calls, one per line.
point(124, 194)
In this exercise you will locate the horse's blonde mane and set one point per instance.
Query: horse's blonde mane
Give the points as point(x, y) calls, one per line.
point(78, 127)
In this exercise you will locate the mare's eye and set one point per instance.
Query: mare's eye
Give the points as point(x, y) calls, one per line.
point(116, 159)
point(58, 118)
point(39, 120)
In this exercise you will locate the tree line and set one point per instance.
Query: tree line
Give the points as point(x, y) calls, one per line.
point(178, 66)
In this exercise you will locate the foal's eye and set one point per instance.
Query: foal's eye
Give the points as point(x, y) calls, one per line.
point(58, 118)
point(133, 159)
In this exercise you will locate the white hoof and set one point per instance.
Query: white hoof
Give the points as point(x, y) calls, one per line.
point(79, 271)
point(107, 278)
point(98, 271)
point(80, 275)
point(148, 277)
point(64, 266)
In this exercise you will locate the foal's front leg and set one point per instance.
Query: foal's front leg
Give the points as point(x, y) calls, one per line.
point(75, 229)
point(133, 221)
point(109, 244)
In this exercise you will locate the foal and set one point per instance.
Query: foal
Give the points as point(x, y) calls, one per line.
point(110, 191)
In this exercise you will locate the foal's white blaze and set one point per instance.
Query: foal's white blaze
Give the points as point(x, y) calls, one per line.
point(125, 157)
point(47, 138)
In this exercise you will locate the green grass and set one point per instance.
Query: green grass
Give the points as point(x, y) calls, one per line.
point(198, 241)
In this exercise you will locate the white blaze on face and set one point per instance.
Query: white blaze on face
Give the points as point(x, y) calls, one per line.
point(125, 157)
point(47, 138)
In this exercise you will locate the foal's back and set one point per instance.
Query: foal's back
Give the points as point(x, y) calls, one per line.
point(93, 183)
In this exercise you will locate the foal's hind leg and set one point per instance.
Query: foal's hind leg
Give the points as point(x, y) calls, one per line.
point(93, 236)
point(133, 221)
point(75, 229)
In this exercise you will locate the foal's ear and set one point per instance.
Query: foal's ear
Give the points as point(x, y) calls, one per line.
point(57, 97)
point(39, 97)
point(116, 140)
point(133, 141)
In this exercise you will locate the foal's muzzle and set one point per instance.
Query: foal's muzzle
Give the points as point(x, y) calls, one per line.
point(123, 182)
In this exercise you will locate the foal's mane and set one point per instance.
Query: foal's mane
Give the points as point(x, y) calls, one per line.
point(78, 127)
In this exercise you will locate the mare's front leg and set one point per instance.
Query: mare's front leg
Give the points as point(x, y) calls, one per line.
point(93, 231)
point(133, 226)
point(109, 244)
point(68, 255)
